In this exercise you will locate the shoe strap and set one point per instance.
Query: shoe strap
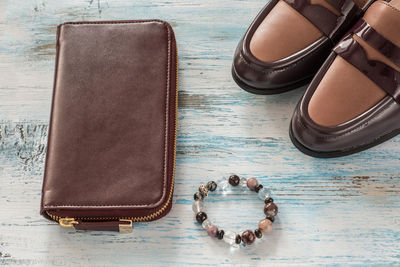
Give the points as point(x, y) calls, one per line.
point(386, 77)
point(330, 24)
point(365, 31)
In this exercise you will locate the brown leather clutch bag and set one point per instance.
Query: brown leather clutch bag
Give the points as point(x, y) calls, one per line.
point(112, 138)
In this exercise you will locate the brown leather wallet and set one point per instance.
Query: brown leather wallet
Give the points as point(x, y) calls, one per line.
point(112, 138)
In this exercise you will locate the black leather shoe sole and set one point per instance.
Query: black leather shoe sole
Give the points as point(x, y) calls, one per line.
point(336, 154)
point(268, 91)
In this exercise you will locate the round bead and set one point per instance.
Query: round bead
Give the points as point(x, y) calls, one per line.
point(271, 218)
point(248, 237)
point(223, 185)
point(271, 209)
point(212, 185)
point(212, 230)
point(220, 234)
point(238, 239)
point(258, 188)
point(198, 206)
point(263, 194)
point(269, 200)
point(258, 233)
point(243, 184)
point(230, 238)
point(252, 183)
point(265, 226)
point(201, 217)
point(206, 224)
point(203, 190)
point(197, 196)
point(234, 180)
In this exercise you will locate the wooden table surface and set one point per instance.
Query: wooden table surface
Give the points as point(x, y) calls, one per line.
point(332, 211)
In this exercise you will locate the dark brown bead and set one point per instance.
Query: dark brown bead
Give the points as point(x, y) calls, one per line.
point(271, 209)
point(258, 233)
point(238, 239)
point(220, 234)
point(271, 218)
point(258, 188)
point(248, 237)
point(197, 196)
point(269, 200)
point(201, 217)
point(234, 180)
point(212, 185)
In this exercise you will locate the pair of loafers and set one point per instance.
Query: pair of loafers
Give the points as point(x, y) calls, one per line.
point(348, 49)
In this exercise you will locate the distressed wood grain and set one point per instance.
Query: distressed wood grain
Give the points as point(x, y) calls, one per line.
point(332, 212)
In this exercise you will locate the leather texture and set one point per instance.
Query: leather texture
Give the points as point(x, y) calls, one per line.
point(258, 76)
point(373, 81)
point(112, 226)
point(342, 94)
point(111, 145)
point(328, 22)
point(383, 75)
point(292, 38)
point(363, 30)
point(388, 21)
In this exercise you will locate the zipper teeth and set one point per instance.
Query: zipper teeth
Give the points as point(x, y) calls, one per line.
point(157, 213)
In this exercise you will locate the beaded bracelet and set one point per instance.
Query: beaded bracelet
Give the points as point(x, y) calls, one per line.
point(247, 237)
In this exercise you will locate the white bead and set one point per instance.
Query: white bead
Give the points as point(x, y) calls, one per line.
point(264, 193)
point(198, 206)
point(243, 184)
point(230, 238)
point(206, 224)
point(223, 185)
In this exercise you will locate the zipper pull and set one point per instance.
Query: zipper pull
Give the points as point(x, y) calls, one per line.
point(122, 225)
point(67, 222)
point(125, 226)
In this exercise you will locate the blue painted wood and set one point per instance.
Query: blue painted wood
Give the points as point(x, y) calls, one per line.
point(337, 211)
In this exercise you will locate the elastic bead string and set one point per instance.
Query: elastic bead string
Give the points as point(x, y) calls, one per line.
point(247, 237)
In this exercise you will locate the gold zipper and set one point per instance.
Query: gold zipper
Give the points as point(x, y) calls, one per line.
point(123, 228)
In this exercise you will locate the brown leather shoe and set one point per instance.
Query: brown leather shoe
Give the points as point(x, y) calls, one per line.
point(353, 103)
point(289, 40)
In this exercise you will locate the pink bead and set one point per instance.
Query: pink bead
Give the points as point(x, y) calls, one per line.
point(212, 230)
point(252, 183)
point(265, 226)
